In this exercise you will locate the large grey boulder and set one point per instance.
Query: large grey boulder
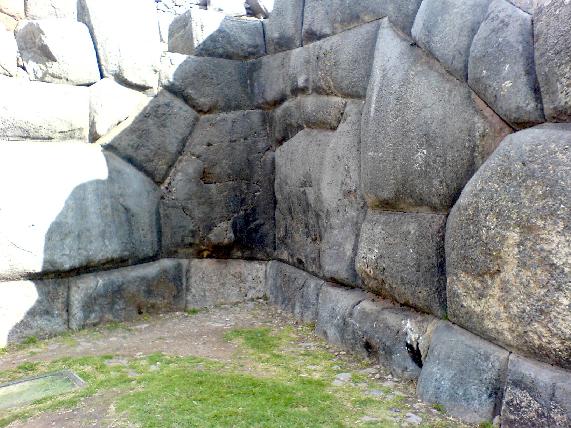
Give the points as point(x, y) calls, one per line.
point(536, 395)
point(221, 282)
point(464, 374)
point(293, 290)
point(401, 256)
point(401, 13)
point(552, 50)
point(124, 294)
point(208, 33)
point(13, 8)
point(110, 104)
point(446, 28)
point(218, 201)
point(501, 68)
point(283, 28)
point(306, 111)
point(126, 37)
point(153, 138)
point(58, 51)
point(323, 20)
point(32, 308)
point(528, 6)
point(319, 205)
point(8, 53)
point(88, 209)
point(260, 8)
point(43, 9)
point(208, 85)
point(395, 336)
point(28, 111)
point(334, 312)
point(424, 132)
point(508, 247)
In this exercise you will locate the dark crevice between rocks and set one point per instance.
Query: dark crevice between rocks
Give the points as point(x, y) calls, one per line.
point(414, 353)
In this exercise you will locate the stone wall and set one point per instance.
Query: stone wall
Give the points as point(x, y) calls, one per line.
point(395, 171)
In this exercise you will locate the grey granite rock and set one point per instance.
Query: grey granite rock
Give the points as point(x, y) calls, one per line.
point(502, 68)
point(424, 132)
point(464, 374)
point(401, 256)
point(218, 282)
point(401, 13)
point(507, 247)
point(284, 27)
point(124, 294)
point(44, 9)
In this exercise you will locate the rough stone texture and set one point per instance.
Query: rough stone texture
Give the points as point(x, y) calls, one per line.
point(260, 8)
point(154, 137)
point(446, 28)
point(334, 311)
point(58, 51)
point(219, 199)
point(401, 13)
point(293, 290)
point(325, 18)
point(312, 111)
point(126, 37)
point(401, 256)
point(8, 53)
point(283, 28)
point(424, 132)
point(221, 282)
point(88, 209)
point(13, 8)
point(42, 9)
point(528, 6)
point(110, 104)
point(397, 337)
point(207, 33)
point(464, 374)
point(124, 294)
point(208, 85)
point(229, 7)
point(552, 51)
point(508, 247)
point(502, 68)
point(536, 395)
point(319, 205)
point(32, 308)
point(28, 111)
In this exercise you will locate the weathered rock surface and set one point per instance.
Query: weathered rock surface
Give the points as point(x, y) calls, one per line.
point(323, 19)
point(283, 28)
point(219, 282)
point(319, 207)
point(130, 54)
point(424, 132)
point(508, 247)
point(502, 67)
point(58, 51)
point(110, 104)
point(260, 8)
point(528, 6)
point(446, 28)
point(124, 294)
point(207, 33)
point(228, 7)
point(28, 111)
point(32, 308)
point(536, 395)
point(219, 198)
point(208, 85)
point(8, 53)
point(313, 111)
point(552, 50)
point(13, 8)
point(464, 374)
point(401, 256)
point(401, 13)
point(88, 209)
point(334, 312)
point(8, 22)
point(293, 290)
point(153, 138)
point(398, 337)
point(43, 9)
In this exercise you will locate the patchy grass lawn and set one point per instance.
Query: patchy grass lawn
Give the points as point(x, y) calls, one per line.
point(275, 379)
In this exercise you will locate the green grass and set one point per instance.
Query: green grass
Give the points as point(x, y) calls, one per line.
point(194, 311)
point(259, 340)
